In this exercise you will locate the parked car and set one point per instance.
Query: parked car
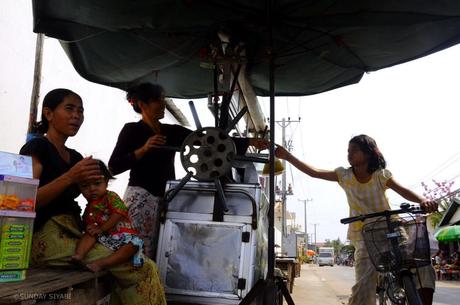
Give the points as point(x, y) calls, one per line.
point(325, 256)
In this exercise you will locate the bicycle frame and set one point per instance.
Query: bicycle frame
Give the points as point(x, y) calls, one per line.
point(397, 283)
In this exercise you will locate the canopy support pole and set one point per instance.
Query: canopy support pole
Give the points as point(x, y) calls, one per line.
point(273, 288)
point(35, 86)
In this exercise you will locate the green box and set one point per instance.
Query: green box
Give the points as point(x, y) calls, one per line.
point(12, 275)
point(15, 241)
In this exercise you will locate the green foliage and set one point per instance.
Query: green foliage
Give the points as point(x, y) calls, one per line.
point(305, 259)
point(443, 205)
point(336, 244)
point(348, 248)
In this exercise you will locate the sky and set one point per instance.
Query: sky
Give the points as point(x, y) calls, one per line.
point(411, 110)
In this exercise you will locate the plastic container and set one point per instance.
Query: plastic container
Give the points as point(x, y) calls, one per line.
point(18, 193)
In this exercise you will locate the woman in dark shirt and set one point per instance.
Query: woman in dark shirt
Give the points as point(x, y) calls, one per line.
point(58, 223)
point(139, 149)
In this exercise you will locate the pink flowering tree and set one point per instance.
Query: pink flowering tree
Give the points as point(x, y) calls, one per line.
point(442, 193)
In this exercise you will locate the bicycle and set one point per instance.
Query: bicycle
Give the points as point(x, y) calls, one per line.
point(393, 253)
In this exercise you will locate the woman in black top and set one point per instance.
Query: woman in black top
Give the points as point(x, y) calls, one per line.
point(58, 222)
point(139, 149)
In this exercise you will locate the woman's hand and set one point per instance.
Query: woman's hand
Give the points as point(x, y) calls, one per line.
point(84, 170)
point(429, 206)
point(154, 142)
point(151, 143)
point(281, 152)
point(260, 144)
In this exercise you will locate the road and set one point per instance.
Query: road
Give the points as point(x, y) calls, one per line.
point(332, 286)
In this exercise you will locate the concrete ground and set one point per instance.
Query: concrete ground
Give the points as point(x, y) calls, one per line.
point(313, 288)
point(332, 286)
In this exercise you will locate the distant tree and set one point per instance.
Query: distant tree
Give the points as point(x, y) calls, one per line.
point(440, 189)
point(441, 192)
point(336, 244)
point(295, 228)
point(348, 248)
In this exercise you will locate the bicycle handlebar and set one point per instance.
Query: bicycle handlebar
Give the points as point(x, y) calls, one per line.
point(405, 208)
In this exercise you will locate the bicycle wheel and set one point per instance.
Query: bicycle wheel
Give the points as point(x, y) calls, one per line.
point(382, 293)
point(383, 298)
point(412, 296)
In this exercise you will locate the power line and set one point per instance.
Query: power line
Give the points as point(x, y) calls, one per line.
point(451, 160)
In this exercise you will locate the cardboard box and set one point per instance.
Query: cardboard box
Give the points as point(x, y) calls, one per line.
point(15, 165)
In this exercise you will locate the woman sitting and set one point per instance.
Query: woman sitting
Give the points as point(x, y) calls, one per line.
point(58, 224)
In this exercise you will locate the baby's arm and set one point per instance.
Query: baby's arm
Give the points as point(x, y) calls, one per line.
point(114, 218)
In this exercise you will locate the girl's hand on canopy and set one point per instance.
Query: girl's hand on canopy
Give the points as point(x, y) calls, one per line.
point(281, 152)
point(86, 169)
point(260, 144)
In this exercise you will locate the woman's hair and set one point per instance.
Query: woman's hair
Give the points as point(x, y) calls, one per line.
point(51, 101)
point(105, 170)
point(143, 92)
point(369, 147)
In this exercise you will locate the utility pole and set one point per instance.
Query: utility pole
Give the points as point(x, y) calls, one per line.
point(283, 124)
point(316, 247)
point(305, 220)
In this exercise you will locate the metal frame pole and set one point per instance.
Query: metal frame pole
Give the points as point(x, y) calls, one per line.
point(35, 86)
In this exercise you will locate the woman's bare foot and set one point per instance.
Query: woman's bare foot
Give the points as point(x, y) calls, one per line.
point(95, 266)
point(77, 258)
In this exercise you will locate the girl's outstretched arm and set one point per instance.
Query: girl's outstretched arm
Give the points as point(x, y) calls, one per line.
point(428, 206)
point(282, 153)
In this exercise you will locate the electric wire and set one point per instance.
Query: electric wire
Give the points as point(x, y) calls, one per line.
point(451, 160)
point(455, 158)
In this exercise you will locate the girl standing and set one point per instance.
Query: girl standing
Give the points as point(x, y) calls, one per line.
point(365, 183)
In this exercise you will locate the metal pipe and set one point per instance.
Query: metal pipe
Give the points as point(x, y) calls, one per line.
point(236, 119)
point(195, 115)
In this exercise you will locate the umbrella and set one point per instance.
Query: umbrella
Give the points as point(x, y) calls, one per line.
point(311, 252)
point(197, 47)
point(316, 45)
point(448, 234)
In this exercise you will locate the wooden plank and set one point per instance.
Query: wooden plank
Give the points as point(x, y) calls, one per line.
point(289, 266)
point(42, 281)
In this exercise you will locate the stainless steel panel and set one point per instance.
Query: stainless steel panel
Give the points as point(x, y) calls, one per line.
point(191, 200)
point(202, 258)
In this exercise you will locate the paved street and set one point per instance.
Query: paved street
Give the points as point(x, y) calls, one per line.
point(332, 285)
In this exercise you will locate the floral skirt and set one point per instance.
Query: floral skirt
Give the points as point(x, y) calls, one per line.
point(144, 212)
point(116, 241)
point(55, 243)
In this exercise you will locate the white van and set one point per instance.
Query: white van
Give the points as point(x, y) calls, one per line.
point(325, 256)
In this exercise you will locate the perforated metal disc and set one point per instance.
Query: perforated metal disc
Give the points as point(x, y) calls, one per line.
point(208, 153)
